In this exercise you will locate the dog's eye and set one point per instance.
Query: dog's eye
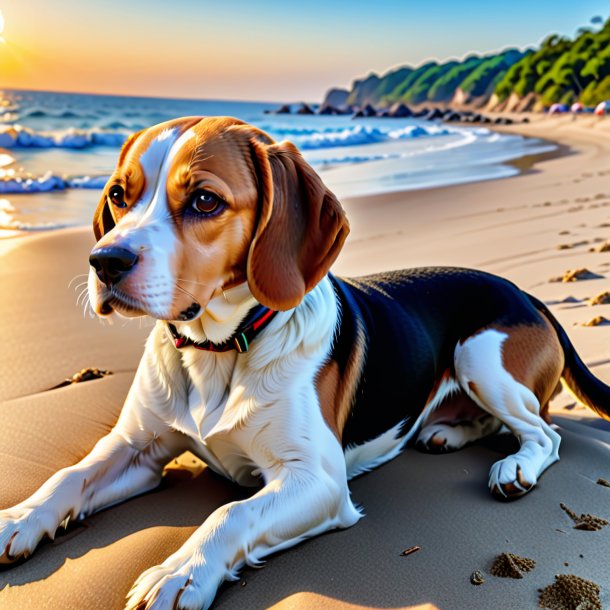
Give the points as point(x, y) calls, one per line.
point(116, 194)
point(206, 203)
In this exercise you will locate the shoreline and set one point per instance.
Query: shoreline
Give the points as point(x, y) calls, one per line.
point(521, 164)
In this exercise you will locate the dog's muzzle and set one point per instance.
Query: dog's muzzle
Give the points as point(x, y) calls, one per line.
point(112, 264)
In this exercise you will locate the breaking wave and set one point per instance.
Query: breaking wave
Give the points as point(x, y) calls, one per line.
point(17, 136)
point(20, 184)
point(357, 135)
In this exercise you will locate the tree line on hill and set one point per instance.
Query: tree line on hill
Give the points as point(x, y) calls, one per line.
point(561, 70)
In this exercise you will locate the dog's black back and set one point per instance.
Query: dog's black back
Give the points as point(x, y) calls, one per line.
point(413, 320)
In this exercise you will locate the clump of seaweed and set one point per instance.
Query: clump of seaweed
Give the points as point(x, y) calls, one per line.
point(86, 374)
point(508, 565)
point(596, 321)
point(603, 298)
point(574, 275)
point(589, 523)
point(570, 592)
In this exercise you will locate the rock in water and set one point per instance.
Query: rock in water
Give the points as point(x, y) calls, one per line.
point(304, 109)
point(399, 111)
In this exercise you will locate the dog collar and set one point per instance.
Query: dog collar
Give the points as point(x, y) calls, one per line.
point(256, 320)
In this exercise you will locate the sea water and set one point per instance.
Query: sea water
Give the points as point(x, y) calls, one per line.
point(58, 149)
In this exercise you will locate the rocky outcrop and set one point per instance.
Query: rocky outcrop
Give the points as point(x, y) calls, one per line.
point(336, 97)
point(447, 115)
point(304, 109)
point(363, 91)
point(399, 111)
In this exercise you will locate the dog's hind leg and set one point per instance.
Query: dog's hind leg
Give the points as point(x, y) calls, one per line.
point(509, 372)
point(457, 421)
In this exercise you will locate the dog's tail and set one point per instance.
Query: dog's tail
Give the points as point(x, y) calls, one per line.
point(576, 377)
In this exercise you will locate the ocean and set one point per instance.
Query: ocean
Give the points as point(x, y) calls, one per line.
point(58, 149)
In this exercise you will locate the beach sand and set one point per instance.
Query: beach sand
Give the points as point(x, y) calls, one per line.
point(528, 228)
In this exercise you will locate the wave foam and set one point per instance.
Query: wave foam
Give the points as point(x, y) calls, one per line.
point(17, 136)
point(310, 139)
point(48, 182)
point(9, 223)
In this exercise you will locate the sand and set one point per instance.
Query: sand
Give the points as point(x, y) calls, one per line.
point(440, 503)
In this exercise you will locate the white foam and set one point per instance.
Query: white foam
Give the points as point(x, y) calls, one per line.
point(12, 183)
point(311, 139)
point(17, 136)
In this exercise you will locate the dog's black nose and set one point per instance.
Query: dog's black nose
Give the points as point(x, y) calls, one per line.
point(113, 263)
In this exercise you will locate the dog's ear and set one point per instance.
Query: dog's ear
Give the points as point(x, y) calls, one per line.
point(301, 227)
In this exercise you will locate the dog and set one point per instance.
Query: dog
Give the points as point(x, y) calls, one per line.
point(275, 372)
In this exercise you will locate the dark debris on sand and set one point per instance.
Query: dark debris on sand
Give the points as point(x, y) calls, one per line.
point(570, 592)
point(508, 565)
point(589, 523)
point(603, 482)
point(86, 374)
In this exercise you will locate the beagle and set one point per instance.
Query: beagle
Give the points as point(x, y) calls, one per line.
point(278, 374)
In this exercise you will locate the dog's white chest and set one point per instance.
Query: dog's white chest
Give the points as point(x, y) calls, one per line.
point(210, 387)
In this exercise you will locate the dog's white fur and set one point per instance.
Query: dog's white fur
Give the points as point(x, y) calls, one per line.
point(253, 417)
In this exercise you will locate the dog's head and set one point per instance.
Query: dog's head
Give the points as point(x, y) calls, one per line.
point(199, 205)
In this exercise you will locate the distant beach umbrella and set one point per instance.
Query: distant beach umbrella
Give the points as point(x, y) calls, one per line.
point(577, 107)
point(602, 108)
point(558, 109)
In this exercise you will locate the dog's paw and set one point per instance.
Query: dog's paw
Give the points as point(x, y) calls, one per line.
point(511, 477)
point(21, 529)
point(441, 438)
point(173, 584)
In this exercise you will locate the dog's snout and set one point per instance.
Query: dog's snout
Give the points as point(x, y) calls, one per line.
point(112, 264)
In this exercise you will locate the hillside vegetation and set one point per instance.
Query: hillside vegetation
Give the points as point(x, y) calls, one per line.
point(560, 70)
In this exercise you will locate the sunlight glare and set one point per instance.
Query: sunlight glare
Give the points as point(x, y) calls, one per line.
point(1, 26)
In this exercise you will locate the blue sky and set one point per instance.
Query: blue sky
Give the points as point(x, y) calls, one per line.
point(257, 49)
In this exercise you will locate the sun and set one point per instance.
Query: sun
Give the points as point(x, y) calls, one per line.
point(1, 26)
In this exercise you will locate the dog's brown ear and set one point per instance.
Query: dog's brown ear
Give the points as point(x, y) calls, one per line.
point(301, 227)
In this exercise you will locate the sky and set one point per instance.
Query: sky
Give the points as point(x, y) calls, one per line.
point(272, 50)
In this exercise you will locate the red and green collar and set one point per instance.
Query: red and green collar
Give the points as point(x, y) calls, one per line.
point(254, 323)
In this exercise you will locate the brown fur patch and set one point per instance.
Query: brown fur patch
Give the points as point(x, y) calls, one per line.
point(351, 378)
point(337, 393)
point(472, 386)
point(327, 385)
point(533, 355)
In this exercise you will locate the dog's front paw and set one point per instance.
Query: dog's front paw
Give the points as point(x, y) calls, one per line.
point(176, 584)
point(21, 529)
